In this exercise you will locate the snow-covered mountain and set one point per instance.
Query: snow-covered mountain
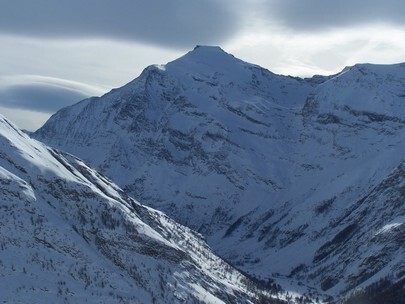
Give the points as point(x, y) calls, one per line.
point(298, 179)
point(69, 235)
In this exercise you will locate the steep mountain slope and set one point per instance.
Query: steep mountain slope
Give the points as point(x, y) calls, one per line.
point(67, 234)
point(199, 116)
point(263, 165)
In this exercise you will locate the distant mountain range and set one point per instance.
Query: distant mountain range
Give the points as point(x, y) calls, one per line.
point(296, 180)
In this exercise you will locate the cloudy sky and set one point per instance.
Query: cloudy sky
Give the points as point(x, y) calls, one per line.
point(55, 53)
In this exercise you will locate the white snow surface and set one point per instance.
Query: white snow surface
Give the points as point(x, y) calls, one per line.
point(70, 235)
point(287, 178)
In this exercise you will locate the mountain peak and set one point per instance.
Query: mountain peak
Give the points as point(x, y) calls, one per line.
point(208, 48)
point(208, 55)
point(206, 60)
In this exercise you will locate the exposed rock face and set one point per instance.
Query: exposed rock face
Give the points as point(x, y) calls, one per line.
point(286, 177)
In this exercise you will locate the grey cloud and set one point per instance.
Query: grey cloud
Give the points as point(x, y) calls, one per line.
point(39, 97)
point(315, 15)
point(174, 23)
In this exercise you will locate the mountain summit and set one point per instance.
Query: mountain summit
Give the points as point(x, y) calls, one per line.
point(206, 59)
point(263, 165)
point(209, 55)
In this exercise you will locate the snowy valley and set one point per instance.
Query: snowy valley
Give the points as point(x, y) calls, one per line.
point(69, 235)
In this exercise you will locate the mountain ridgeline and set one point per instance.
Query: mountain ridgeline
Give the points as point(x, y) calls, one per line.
point(295, 180)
